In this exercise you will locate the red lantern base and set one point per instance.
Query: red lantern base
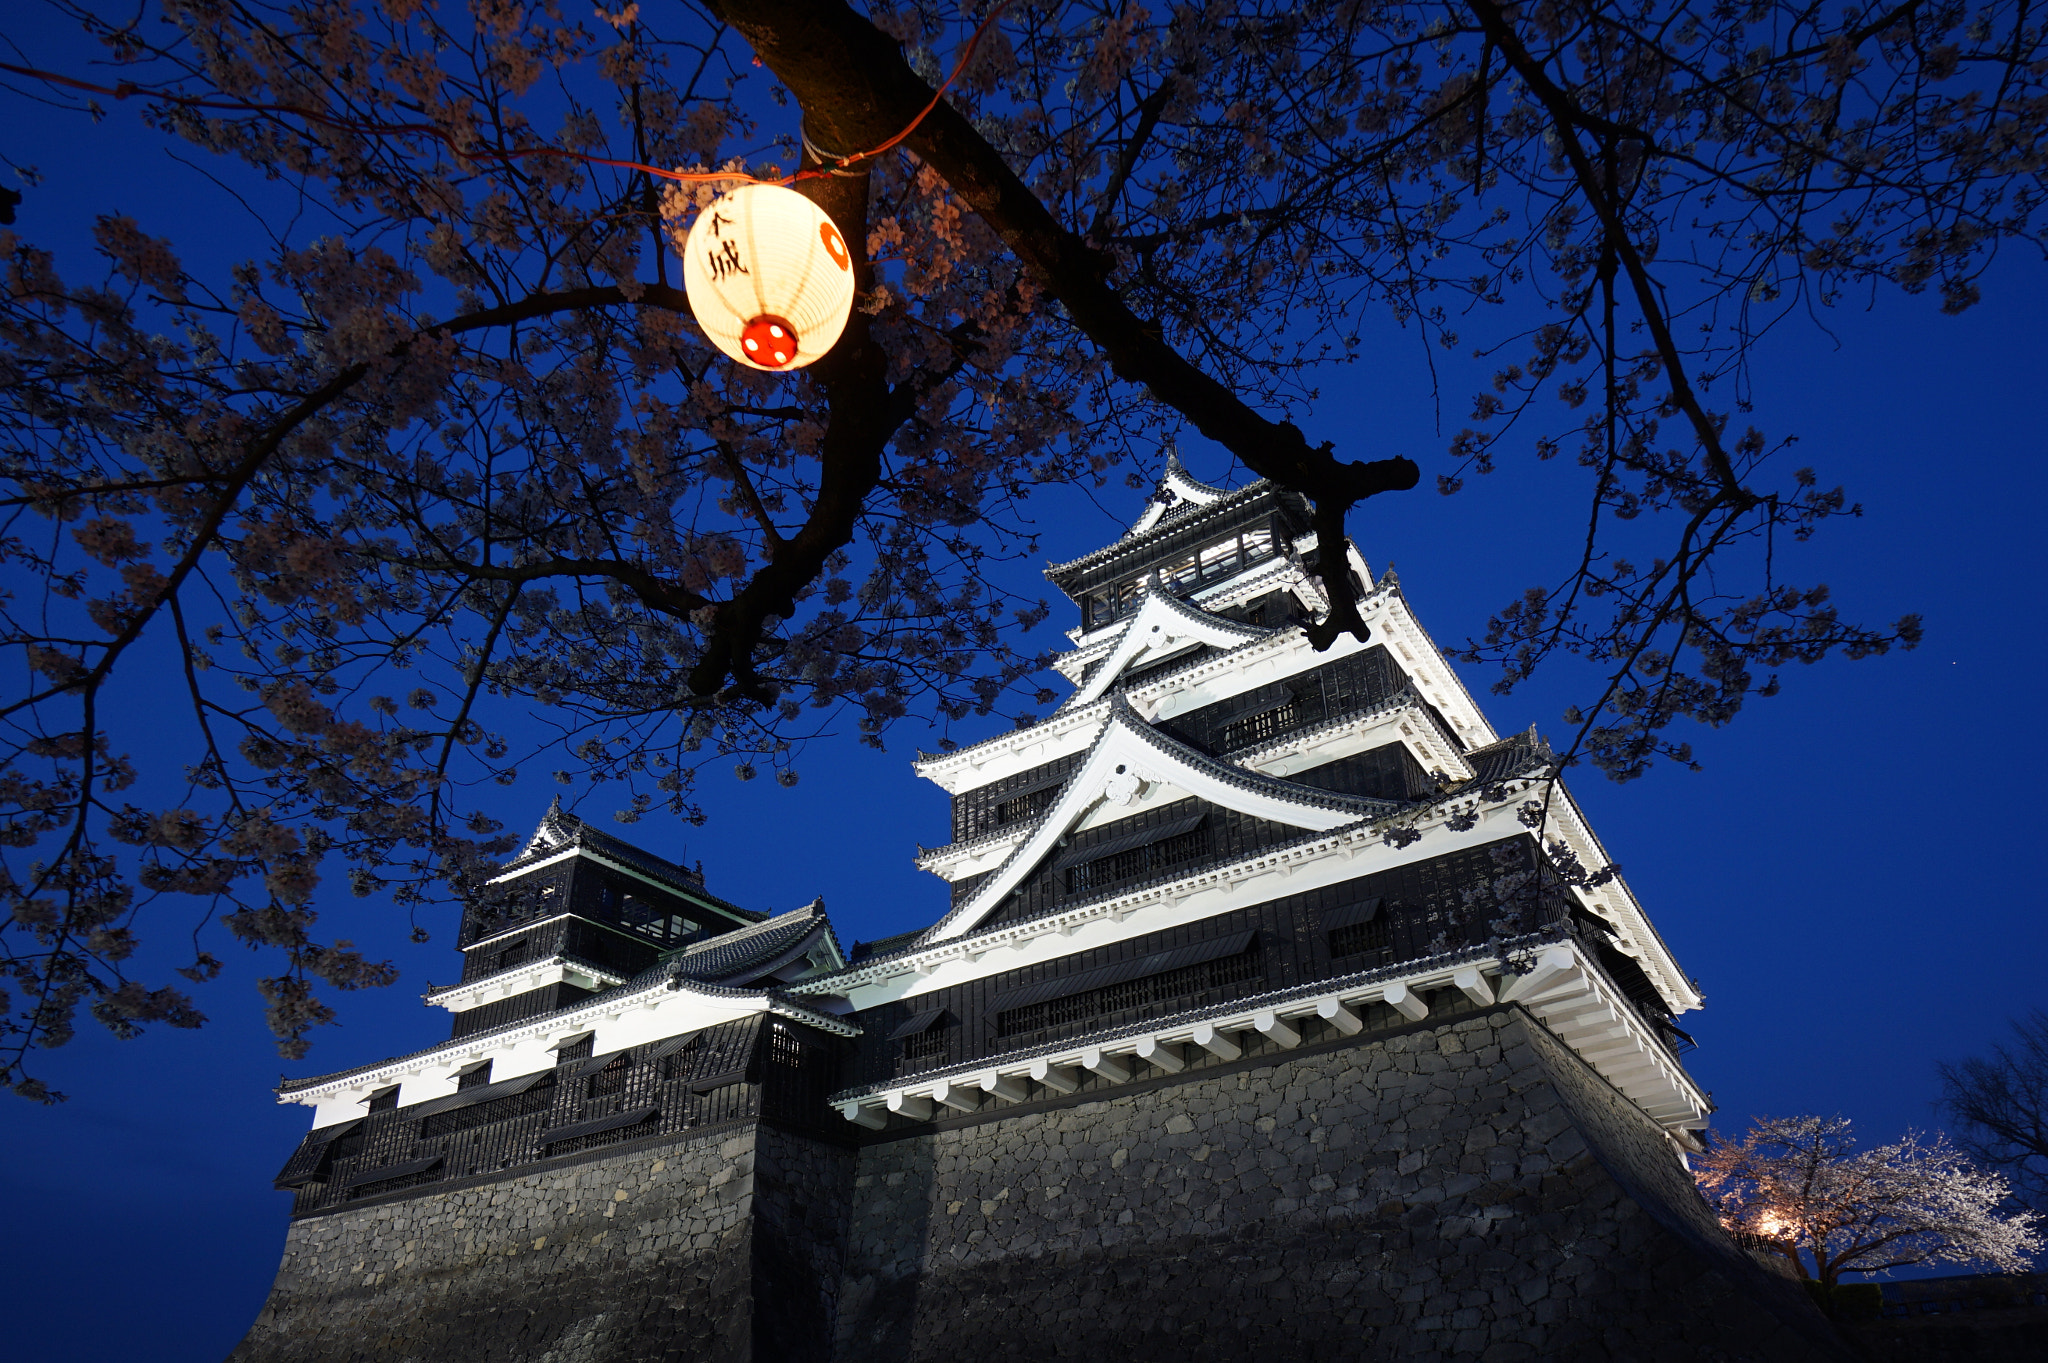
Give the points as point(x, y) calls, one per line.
point(769, 341)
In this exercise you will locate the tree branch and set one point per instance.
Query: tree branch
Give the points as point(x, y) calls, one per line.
point(856, 89)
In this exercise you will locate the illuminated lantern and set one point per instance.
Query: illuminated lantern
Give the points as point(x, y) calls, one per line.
point(768, 276)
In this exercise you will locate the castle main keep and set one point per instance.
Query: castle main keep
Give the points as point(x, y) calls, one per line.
point(1259, 1026)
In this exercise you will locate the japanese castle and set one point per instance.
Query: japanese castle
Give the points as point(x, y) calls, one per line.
point(1224, 855)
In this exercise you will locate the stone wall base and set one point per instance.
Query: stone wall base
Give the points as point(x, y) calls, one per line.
point(1470, 1191)
point(654, 1254)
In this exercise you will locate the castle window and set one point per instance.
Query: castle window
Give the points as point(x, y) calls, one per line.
point(1027, 804)
point(475, 1076)
point(1213, 562)
point(1360, 939)
point(512, 955)
point(393, 1178)
point(1358, 929)
point(925, 1045)
point(1175, 978)
point(654, 920)
point(1266, 722)
point(1111, 603)
point(611, 1079)
point(1135, 856)
point(578, 1048)
point(681, 1061)
point(538, 1096)
point(383, 1100)
point(925, 1037)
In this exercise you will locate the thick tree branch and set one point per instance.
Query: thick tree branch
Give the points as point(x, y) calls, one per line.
point(1568, 118)
point(857, 90)
point(859, 424)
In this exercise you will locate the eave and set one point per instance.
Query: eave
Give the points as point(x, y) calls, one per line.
point(611, 1005)
point(522, 979)
point(1558, 983)
point(1130, 749)
point(1161, 627)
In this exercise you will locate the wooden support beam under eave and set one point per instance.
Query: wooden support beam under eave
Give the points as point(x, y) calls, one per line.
point(874, 1119)
point(1058, 1078)
point(1222, 1045)
point(1167, 1057)
point(1115, 1068)
point(960, 1097)
point(1474, 985)
point(1341, 1015)
point(908, 1105)
point(1006, 1087)
point(1405, 1001)
point(1276, 1029)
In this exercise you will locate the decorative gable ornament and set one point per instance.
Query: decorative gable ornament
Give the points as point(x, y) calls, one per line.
point(769, 277)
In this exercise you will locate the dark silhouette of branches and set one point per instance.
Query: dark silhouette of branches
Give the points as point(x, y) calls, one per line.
point(1999, 1104)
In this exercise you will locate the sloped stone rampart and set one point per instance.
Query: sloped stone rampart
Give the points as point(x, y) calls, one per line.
point(1467, 1192)
point(607, 1260)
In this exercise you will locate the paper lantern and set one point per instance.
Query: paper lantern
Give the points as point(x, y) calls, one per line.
point(768, 276)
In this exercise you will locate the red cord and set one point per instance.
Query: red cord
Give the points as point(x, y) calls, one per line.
point(125, 90)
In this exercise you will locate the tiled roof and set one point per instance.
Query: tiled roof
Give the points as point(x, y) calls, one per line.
point(1359, 806)
point(1515, 755)
point(1137, 544)
point(751, 952)
point(560, 830)
point(435, 991)
point(795, 1007)
point(709, 967)
point(1150, 679)
point(1270, 998)
point(1186, 610)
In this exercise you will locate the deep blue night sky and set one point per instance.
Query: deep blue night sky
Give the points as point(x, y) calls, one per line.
point(1849, 878)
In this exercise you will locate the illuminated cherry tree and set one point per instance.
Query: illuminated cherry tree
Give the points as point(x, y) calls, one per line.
point(1801, 1184)
point(447, 448)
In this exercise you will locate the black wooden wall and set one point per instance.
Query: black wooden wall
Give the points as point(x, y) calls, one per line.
point(1422, 906)
point(764, 1068)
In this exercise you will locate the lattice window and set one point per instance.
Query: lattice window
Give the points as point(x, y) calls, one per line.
point(578, 1049)
point(783, 1047)
point(611, 1079)
point(1138, 862)
point(392, 1185)
point(384, 1099)
point(539, 1098)
point(926, 1044)
point(1166, 988)
point(656, 921)
point(474, 1078)
point(1360, 939)
point(570, 1146)
point(1028, 805)
point(680, 1063)
point(1253, 729)
point(1213, 562)
point(930, 1044)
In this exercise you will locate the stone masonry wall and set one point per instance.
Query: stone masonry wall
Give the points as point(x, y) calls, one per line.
point(1465, 1192)
point(642, 1256)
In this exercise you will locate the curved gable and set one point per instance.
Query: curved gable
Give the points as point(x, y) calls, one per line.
point(1163, 625)
point(1184, 489)
point(1128, 757)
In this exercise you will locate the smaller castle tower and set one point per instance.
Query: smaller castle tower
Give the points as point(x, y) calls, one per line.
point(577, 912)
